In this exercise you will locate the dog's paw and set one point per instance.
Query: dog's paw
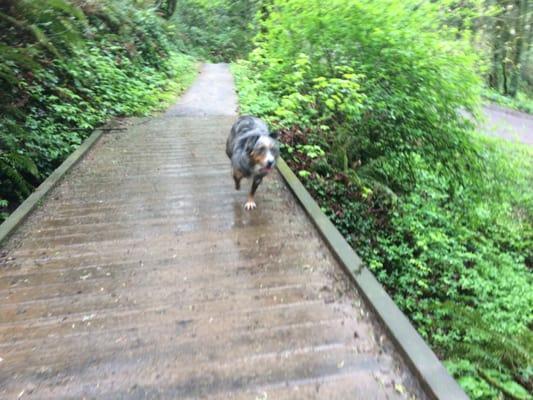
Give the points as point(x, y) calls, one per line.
point(250, 205)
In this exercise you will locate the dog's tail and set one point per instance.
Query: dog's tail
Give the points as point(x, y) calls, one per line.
point(230, 142)
point(229, 148)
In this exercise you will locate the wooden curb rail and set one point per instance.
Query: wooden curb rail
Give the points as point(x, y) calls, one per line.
point(420, 358)
point(22, 211)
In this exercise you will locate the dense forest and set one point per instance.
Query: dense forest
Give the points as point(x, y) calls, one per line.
point(374, 102)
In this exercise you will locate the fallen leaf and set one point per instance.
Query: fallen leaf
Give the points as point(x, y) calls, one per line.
point(399, 388)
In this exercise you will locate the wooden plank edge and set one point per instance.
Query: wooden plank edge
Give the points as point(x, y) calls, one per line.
point(8, 227)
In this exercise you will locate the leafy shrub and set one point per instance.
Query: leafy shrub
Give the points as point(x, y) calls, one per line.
point(367, 97)
point(64, 70)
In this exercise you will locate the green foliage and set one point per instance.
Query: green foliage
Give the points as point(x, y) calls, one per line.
point(399, 71)
point(64, 70)
point(486, 384)
point(218, 30)
point(522, 101)
point(366, 95)
point(167, 7)
point(501, 33)
point(259, 101)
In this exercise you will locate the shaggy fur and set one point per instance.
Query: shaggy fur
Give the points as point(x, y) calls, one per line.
point(253, 152)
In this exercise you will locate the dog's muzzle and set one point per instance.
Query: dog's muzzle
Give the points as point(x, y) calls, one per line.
point(268, 168)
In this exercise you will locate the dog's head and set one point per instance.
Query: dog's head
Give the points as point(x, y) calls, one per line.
point(263, 153)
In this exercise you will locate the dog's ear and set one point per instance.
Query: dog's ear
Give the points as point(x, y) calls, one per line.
point(250, 144)
point(274, 135)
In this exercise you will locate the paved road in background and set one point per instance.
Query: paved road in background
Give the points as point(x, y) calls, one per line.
point(508, 124)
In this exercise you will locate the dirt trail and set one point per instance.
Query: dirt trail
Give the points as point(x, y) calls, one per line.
point(142, 277)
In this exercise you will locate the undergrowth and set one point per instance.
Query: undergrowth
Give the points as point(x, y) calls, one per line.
point(65, 69)
point(522, 101)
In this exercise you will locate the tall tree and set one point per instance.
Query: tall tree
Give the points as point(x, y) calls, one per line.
point(510, 35)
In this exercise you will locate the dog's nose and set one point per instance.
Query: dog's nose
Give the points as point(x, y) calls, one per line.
point(270, 163)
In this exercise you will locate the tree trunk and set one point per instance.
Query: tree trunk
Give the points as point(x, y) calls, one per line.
point(494, 81)
point(525, 66)
point(171, 7)
point(518, 50)
point(505, 87)
point(167, 7)
point(498, 53)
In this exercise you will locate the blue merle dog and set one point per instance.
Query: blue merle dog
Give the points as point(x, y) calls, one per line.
point(253, 151)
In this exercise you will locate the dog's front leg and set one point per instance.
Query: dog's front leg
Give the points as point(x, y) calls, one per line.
point(250, 204)
point(237, 176)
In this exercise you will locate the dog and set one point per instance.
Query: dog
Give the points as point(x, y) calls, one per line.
point(253, 152)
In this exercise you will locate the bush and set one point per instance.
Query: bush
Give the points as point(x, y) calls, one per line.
point(64, 70)
point(367, 97)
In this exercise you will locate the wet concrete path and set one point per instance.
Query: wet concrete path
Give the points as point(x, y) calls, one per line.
point(142, 277)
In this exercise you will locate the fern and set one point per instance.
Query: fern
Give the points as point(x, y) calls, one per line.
point(489, 347)
point(38, 34)
point(65, 6)
point(53, 24)
point(12, 167)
